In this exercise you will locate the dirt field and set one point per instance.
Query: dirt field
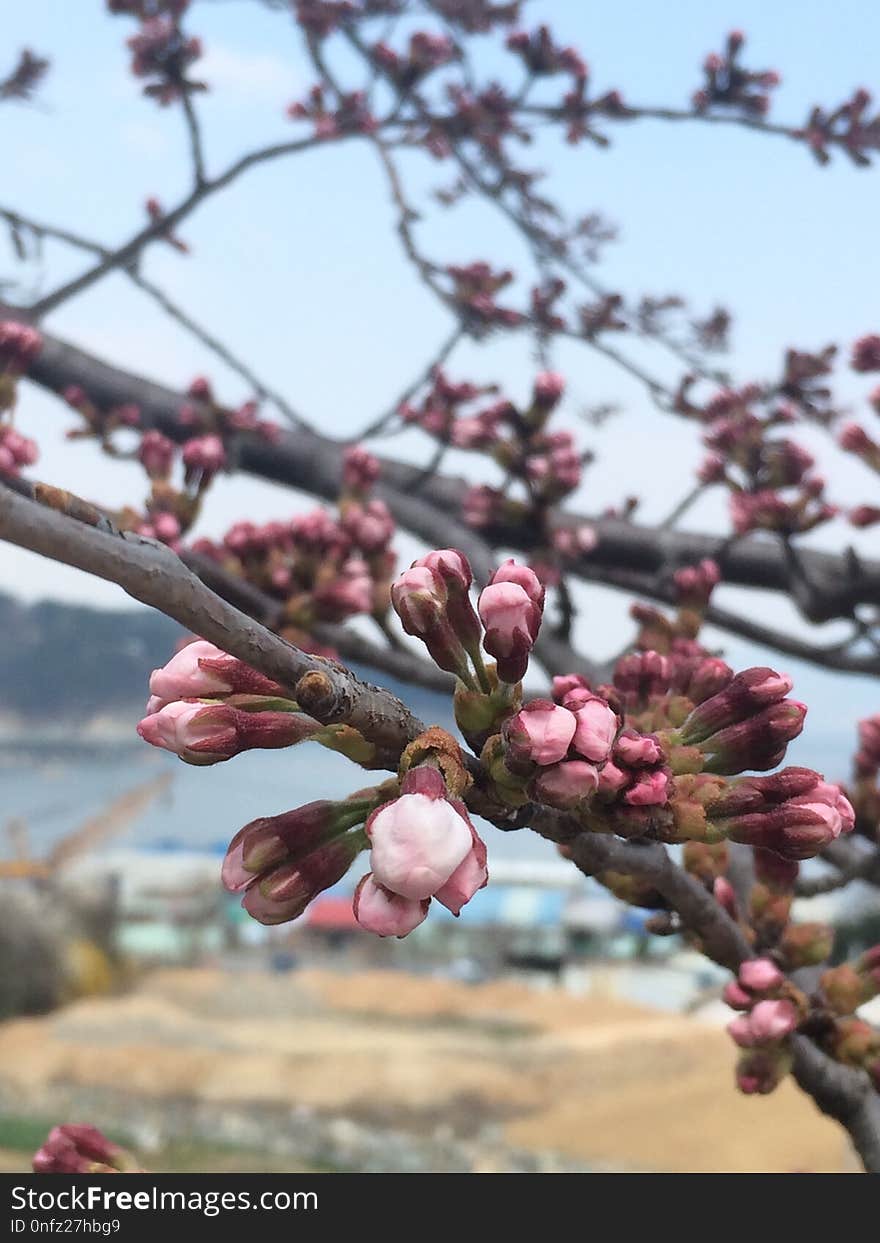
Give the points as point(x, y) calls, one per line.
point(593, 1080)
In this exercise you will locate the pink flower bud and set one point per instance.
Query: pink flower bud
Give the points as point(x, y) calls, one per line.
point(210, 733)
point(651, 789)
point(771, 1021)
point(285, 892)
point(204, 456)
point(567, 682)
point(272, 840)
point(419, 839)
point(167, 527)
point(740, 1031)
point(736, 997)
point(637, 749)
point(760, 975)
point(566, 785)
point(549, 387)
point(596, 729)
point(419, 599)
point(540, 733)
point(360, 469)
point(469, 877)
point(369, 526)
point(384, 913)
point(201, 670)
point(611, 779)
point(512, 620)
point(748, 692)
point(453, 569)
point(156, 454)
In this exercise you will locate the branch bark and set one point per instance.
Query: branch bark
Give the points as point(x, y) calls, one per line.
point(305, 460)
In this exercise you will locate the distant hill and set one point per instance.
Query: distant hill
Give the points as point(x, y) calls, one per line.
point(60, 661)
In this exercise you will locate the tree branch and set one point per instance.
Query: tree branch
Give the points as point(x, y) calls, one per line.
point(66, 529)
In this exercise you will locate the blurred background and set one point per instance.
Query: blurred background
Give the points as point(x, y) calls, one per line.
point(544, 1029)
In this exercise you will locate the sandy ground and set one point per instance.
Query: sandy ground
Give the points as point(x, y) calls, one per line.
point(592, 1079)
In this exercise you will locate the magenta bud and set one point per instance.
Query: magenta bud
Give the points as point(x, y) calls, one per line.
point(758, 743)
point(736, 997)
point(637, 750)
point(741, 698)
point(80, 1149)
point(285, 892)
point(760, 975)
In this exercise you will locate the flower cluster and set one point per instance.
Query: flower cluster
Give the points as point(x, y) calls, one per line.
point(170, 511)
point(730, 85)
point(421, 843)
point(432, 600)
point(474, 288)
point(770, 478)
point(323, 569)
point(350, 116)
point(426, 52)
point(19, 346)
point(206, 706)
point(770, 1014)
point(848, 126)
point(161, 51)
point(542, 56)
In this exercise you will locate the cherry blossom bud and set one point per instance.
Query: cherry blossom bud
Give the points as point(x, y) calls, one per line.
point(611, 779)
point(758, 743)
point(201, 670)
point(866, 353)
point(540, 733)
point(469, 877)
point(419, 839)
point(568, 785)
point(419, 599)
point(651, 789)
point(736, 997)
point(637, 749)
point(80, 1149)
point(725, 895)
point(166, 527)
point(385, 913)
point(741, 698)
point(203, 457)
point(549, 387)
point(760, 975)
point(269, 841)
point(740, 1031)
point(771, 1021)
point(596, 728)
point(568, 682)
point(156, 454)
point(210, 733)
point(360, 469)
point(453, 569)
point(19, 344)
point(511, 608)
point(285, 892)
point(369, 526)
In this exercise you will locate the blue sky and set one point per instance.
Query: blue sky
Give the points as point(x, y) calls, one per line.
point(298, 266)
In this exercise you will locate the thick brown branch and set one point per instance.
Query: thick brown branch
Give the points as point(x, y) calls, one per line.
point(312, 463)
